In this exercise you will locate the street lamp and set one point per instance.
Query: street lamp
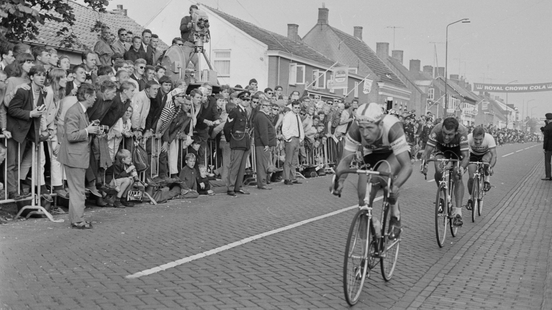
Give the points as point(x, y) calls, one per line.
point(527, 108)
point(463, 21)
point(514, 81)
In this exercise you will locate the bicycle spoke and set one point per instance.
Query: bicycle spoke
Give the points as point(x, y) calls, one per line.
point(441, 217)
point(355, 266)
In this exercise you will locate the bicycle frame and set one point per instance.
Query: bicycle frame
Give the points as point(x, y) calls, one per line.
point(477, 183)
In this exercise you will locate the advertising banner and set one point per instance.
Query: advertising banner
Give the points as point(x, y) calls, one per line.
point(512, 88)
point(341, 77)
point(367, 86)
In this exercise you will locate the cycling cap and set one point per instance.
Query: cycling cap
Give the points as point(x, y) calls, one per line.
point(369, 112)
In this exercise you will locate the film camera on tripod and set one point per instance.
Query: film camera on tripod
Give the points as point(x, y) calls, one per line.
point(200, 33)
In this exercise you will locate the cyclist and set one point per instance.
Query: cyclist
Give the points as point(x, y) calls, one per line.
point(450, 140)
point(482, 148)
point(380, 137)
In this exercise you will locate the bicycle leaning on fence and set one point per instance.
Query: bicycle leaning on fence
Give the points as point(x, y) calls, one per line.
point(368, 241)
point(443, 201)
point(475, 203)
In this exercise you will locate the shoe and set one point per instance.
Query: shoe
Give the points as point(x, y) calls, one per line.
point(288, 182)
point(62, 193)
point(241, 191)
point(457, 220)
point(230, 193)
point(265, 187)
point(94, 191)
point(486, 186)
point(546, 179)
point(469, 205)
point(296, 182)
point(118, 204)
point(395, 228)
point(100, 202)
point(15, 196)
point(81, 225)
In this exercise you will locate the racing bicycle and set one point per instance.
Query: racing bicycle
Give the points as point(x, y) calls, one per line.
point(475, 204)
point(368, 241)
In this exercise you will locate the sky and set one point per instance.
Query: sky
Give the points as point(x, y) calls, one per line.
point(506, 40)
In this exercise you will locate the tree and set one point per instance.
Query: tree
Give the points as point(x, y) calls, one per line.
point(21, 18)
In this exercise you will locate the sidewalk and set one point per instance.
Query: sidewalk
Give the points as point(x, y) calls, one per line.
point(504, 264)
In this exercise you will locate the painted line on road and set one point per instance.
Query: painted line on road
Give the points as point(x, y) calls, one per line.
point(429, 181)
point(506, 155)
point(519, 151)
point(235, 244)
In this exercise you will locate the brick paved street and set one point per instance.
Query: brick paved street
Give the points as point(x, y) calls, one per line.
point(502, 261)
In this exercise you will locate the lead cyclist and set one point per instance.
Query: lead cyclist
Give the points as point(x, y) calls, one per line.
point(380, 137)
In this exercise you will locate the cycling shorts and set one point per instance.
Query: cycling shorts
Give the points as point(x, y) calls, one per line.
point(449, 152)
point(373, 158)
point(484, 158)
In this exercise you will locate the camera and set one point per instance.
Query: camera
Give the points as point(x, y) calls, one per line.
point(200, 30)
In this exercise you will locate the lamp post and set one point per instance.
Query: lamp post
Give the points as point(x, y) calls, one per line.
point(463, 21)
point(527, 108)
point(514, 81)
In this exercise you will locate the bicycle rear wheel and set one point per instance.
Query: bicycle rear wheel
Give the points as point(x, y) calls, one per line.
point(389, 251)
point(453, 229)
point(441, 216)
point(475, 197)
point(355, 265)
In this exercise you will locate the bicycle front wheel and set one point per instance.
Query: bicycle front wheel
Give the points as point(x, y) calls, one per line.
point(441, 216)
point(389, 251)
point(480, 198)
point(475, 197)
point(355, 265)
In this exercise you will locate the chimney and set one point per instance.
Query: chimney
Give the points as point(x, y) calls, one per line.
point(415, 65)
point(119, 6)
point(293, 32)
point(429, 70)
point(440, 72)
point(382, 50)
point(323, 13)
point(358, 32)
point(398, 55)
point(455, 77)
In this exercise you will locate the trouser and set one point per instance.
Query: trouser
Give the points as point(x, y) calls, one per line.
point(12, 159)
point(262, 159)
point(238, 159)
point(173, 156)
point(189, 49)
point(547, 158)
point(27, 164)
point(225, 167)
point(292, 153)
point(75, 184)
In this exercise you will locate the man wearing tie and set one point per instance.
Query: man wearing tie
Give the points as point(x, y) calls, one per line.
point(74, 152)
point(292, 130)
point(237, 131)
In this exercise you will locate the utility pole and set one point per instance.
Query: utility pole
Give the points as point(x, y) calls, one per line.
point(435, 58)
point(394, 28)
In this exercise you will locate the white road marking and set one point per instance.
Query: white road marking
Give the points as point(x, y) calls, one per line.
point(508, 154)
point(428, 181)
point(519, 151)
point(235, 244)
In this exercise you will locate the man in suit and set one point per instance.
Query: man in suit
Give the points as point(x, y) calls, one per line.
point(74, 152)
point(293, 132)
point(547, 146)
point(237, 131)
point(23, 121)
point(265, 140)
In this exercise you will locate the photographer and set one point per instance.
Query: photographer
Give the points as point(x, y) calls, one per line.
point(186, 32)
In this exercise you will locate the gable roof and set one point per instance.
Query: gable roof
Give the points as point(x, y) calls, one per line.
point(462, 91)
point(404, 71)
point(439, 82)
point(368, 57)
point(273, 40)
point(85, 19)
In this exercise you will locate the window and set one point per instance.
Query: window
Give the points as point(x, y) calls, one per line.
point(355, 92)
point(318, 79)
point(221, 62)
point(296, 74)
point(431, 94)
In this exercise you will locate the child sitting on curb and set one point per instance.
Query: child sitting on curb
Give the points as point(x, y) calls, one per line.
point(122, 174)
point(188, 177)
point(204, 187)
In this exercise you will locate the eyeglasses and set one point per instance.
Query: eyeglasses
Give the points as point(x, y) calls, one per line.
point(246, 99)
point(270, 93)
point(123, 34)
point(255, 101)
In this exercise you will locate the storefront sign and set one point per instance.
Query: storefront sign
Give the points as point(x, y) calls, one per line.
point(341, 77)
point(513, 88)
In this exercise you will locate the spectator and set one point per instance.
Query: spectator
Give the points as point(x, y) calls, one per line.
point(42, 56)
point(64, 62)
point(89, 61)
point(136, 51)
point(54, 58)
point(188, 178)
point(146, 46)
point(293, 134)
point(253, 85)
point(278, 92)
point(79, 78)
point(129, 38)
point(265, 141)
point(186, 32)
point(74, 153)
point(23, 122)
point(547, 146)
point(207, 118)
point(159, 73)
point(237, 132)
point(157, 52)
point(121, 129)
point(122, 175)
point(203, 184)
point(18, 76)
point(139, 74)
point(120, 46)
point(140, 108)
point(103, 47)
point(7, 54)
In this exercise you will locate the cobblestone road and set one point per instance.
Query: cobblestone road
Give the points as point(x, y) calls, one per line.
point(283, 249)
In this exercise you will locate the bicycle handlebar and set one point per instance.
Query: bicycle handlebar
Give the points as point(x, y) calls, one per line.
point(363, 171)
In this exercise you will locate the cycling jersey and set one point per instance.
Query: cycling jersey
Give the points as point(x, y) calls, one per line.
point(392, 138)
point(487, 144)
point(459, 141)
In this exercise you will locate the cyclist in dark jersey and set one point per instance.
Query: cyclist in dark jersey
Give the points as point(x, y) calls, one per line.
point(378, 137)
point(449, 139)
